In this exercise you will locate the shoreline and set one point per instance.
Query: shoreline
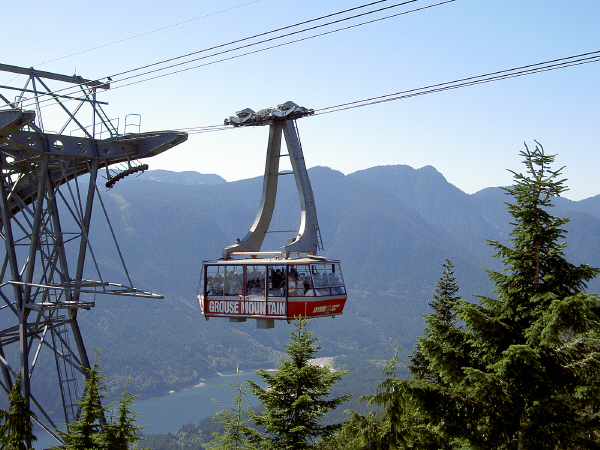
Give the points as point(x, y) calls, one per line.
point(321, 362)
point(196, 384)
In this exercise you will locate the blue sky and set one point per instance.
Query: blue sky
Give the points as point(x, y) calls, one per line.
point(471, 135)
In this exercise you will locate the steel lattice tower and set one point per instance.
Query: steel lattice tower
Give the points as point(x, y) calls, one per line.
point(42, 284)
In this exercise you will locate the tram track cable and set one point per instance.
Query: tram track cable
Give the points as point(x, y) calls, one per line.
point(275, 45)
point(529, 69)
point(560, 63)
point(110, 77)
point(118, 41)
point(266, 33)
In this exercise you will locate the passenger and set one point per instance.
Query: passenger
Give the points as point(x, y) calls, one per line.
point(236, 284)
point(282, 288)
point(209, 286)
point(220, 284)
point(300, 287)
point(320, 280)
point(274, 281)
point(292, 283)
point(304, 285)
point(255, 289)
point(339, 287)
point(308, 287)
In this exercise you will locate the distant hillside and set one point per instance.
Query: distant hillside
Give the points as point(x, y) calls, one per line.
point(186, 178)
point(443, 205)
point(390, 226)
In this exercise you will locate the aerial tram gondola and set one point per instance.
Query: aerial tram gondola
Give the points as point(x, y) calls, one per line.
point(247, 283)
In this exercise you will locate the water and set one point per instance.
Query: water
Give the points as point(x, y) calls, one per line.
point(166, 413)
point(169, 412)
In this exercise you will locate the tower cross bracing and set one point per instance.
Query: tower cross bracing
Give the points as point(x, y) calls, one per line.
point(49, 187)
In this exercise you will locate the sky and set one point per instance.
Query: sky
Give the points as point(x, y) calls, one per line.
point(471, 135)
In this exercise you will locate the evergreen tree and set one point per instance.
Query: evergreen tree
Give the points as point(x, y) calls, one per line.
point(443, 343)
point(393, 426)
point(296, 396)
point(16, 431)
point(235, 419)
point(441, 334)
point(91, 430)
point(86, 430)
point(398, 424)
point(528, 359)
point(121, 431)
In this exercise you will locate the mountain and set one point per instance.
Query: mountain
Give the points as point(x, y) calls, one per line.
point(391, 227)
point(442, 204)
point(185, 178)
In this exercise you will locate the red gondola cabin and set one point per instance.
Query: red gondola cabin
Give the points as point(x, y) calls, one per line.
point(271, 289)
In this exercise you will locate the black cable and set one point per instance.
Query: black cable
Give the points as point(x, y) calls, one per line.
point(273, 46)
point(139, 35)
point(252, 37)
point(529, 69)
point(560, 63)
point(248, 45)
point(150, 32)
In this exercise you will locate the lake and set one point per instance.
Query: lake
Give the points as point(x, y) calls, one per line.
point(166, 413)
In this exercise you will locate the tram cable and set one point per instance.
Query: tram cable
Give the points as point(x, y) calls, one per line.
point(266, 33)
point(560, 63)
point(529, 69)
point(111, 80)
point(273, 46)
point(455, 84)
point(118, 41)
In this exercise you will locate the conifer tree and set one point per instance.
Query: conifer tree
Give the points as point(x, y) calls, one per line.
point(16, 430)
point(296, 396)
point(393, 427)
point(398, 424)
point(436, 353)
point(235, 419)
point(91, 429)
point(528, 358)
point(86, 430)
point(441, 334)
point(120, 431)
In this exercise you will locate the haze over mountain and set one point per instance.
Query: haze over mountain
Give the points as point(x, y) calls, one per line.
point(391, 227)
point(185, 178)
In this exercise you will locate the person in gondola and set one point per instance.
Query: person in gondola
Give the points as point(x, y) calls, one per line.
point(256, 288)
point(321, 284)
point(303, 285)
point(306, 287)
point(292, 283)
point(276, 279)
point(300, 287)
point(283, 287)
